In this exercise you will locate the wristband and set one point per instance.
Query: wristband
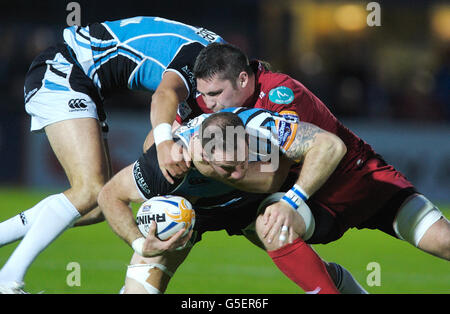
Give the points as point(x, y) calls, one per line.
point(295, 196)
point(162, 132)
point(138, 245)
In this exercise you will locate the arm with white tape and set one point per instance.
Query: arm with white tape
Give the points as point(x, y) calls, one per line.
point(320, 153)
point(170, 92)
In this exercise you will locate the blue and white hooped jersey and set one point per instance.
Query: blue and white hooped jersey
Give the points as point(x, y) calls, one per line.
point(135, 52)
point(267, 130)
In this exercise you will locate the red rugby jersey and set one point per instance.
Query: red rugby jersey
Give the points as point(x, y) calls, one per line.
point(280, 92)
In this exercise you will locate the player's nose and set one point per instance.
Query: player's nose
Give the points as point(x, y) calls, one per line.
point(211, 103)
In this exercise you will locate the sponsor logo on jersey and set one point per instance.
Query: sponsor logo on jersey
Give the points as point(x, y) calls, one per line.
point(138, 177)
point(190, 76)
point(284, 132)
point(290, 116)
point(206, 34)
point(184, 110)
point(281, 95)
point(77, 104)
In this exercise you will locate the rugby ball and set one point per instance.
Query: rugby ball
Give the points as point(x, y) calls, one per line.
point(171, 214)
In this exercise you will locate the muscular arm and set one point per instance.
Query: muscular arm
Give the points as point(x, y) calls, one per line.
point(170, 92)
point(113, 200)
point(320, 151)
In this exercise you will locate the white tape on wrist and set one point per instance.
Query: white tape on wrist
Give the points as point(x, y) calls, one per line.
point(138, 245)
point(295, 197)
point(162, 132)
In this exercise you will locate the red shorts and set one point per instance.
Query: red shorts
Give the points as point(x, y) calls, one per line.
point(367, 196)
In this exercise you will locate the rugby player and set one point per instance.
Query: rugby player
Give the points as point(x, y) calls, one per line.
point(363, 191)
point(222, 199)
point(64, 92)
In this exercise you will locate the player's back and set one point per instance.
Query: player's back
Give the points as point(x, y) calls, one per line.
point(133, 53)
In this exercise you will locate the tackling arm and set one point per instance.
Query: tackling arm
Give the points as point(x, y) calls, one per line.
point(320, 151)
point(170, 92)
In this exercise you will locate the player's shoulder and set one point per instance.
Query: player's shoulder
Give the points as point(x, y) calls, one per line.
point(278, 88)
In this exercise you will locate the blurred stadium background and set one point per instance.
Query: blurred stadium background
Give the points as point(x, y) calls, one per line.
point(390, 84)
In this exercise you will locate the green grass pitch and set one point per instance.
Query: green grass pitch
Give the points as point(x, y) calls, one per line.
point(219, 263)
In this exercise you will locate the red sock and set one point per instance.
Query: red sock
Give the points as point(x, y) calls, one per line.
point(304, 267)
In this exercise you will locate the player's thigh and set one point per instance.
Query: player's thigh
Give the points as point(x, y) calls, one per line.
point(63, 101)
point(153, 274)
point(79, 147)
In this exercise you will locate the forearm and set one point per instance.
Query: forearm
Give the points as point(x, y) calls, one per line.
point(164, 107)
point(114, 200)
point(320, 162)
point(320, 152)
point(120, 218)
point(170, 92)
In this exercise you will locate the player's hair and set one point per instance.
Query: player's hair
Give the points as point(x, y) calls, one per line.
point(216, 125)
point(225, 60)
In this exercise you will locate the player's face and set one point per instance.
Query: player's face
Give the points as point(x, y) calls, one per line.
point(230, 166)
point(219, 94)
point(230, 171)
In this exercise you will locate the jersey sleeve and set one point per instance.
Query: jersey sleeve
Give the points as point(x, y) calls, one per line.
point(188, 110)
point(286, 125)
point(148, 177)
point(268, 130)
point(288, 94)
point(186, 131)
point(183, 64)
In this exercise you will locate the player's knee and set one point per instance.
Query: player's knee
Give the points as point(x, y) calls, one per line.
point(274, 245)
point(84, 193)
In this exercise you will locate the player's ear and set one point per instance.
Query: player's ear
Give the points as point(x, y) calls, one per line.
point(243, 79)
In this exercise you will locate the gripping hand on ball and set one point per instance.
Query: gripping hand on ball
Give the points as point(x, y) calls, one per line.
point(153, 246)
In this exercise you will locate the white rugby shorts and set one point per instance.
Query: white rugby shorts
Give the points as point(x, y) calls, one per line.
point(56, 89)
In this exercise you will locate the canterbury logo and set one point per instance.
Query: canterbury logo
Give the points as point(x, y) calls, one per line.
point(77, 103)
